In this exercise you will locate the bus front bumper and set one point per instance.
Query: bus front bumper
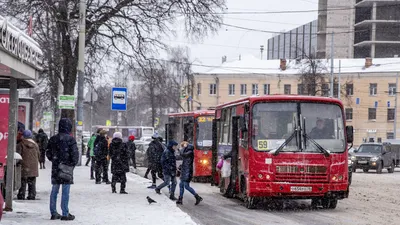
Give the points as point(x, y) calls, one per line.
point(298, 190)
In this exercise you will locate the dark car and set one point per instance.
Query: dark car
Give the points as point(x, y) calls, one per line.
point(376, 156)
point(350, 164)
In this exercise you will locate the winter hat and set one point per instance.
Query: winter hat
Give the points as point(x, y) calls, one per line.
point(21, 127)
point(131, 138)
point(117, 135)
point(103, 132)
point(172, 143)
point(155, 136)
point(27, 134)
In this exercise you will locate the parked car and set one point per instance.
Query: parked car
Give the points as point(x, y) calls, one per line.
point(375, 156)
point(350, 171)
point(141, 156)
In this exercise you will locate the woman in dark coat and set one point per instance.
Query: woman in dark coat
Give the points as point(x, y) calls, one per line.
point(42, 140)
point(119, 162)
point(187, 173)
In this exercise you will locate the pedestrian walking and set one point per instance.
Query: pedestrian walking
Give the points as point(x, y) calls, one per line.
point(100, 155)
point(119, 162)
point(154, 153)
point(91, 152)
point(29, 151)
point(168, 162)
point(90, 149)
point(42, 140)
point(63, 152)
point(132, 151)
point(187, 154)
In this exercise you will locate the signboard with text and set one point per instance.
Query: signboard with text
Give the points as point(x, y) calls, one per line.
point(66, 102)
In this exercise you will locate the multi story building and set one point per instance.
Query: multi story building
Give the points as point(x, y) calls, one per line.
point(368, 88)
point(359, 28)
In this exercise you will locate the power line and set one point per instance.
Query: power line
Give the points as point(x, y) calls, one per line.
point(262, 21)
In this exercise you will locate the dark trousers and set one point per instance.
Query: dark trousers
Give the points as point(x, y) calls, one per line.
point(147, 172)
point(31, 182)
point(101, 168)
point(92, 167)
point(154, 174)
point(88, 161)
point(132, 161)
point(118, 178)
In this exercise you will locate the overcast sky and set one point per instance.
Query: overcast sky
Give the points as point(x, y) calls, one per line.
point(233, 41)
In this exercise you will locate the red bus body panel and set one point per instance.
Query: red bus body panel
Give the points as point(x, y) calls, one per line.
point(202, 158)
point(267, 175)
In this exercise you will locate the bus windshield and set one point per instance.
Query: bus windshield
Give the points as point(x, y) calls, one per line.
point(204, 132)
point(320, 124)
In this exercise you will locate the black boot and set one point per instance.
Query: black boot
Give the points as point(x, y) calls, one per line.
point(113, 188)
point(172, 197)
point(180, 201)
point(198, 199)
point(55, 217)
point(69, 217)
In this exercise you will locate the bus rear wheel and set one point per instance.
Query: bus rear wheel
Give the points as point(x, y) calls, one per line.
point(329, 203)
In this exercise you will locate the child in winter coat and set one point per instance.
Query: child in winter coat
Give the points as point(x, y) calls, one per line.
point(119, 162)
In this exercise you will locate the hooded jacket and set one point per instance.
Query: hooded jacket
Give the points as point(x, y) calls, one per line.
point(29, 152)
point(103, 151)
point(119, 156)
point(168, 160)
point(154, 153)
point(62, 148)
point(187, 163)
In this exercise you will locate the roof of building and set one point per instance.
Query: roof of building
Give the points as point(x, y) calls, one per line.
point(252, 65)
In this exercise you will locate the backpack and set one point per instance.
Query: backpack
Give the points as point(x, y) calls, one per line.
point(97, 149)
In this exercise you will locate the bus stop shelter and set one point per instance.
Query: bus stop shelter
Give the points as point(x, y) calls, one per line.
point(20, 65)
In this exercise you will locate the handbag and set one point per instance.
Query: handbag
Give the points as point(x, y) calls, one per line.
point(66, 172)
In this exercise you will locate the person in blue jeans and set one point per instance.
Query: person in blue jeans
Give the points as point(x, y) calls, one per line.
point(61, 149)
point(187, 155)
point(168, 162)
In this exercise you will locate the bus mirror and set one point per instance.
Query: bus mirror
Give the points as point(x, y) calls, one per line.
point(242, 124)
point(350, 134)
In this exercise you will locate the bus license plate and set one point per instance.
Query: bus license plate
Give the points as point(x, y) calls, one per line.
point(362, 162)
point(300, 189)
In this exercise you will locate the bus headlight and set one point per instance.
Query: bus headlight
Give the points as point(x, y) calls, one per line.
point(204, 161)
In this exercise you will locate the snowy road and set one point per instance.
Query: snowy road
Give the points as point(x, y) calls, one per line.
point(374, 199)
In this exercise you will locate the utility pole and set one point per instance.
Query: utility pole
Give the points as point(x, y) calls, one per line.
point(12, 140)
point(332, 68)
point(395, 108)
point(81, 74)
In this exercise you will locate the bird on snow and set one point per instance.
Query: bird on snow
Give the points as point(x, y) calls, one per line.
point(150, 200)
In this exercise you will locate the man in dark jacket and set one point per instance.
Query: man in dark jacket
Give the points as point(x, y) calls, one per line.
point(168, 162)
point(62, 150)
point(100, 155)
point(154, 153)
point(187, 173)
point(132, 151)
point(119, 162)
point(42, 141)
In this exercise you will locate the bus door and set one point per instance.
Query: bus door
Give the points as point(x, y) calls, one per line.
point(188, 130)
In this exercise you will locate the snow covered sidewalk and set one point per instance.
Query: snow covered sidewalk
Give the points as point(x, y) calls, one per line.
point(95, 204)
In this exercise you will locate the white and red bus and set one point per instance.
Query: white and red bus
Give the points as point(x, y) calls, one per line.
point(195, 128)
point(284, 146)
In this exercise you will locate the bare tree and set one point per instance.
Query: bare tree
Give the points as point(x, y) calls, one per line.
point(128, 30)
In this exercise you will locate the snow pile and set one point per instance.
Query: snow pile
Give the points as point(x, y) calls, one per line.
point(95, 204)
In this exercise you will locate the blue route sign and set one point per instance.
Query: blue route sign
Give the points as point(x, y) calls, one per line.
point(119, 98)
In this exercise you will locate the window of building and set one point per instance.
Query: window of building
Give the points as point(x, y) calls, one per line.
point(349, 114)
point(389, 135)
point(373, 89)
point(267, 89)
point(198, 88)
point(372, 113)
point(325, 90)
point(392, 89)
point(254, 89)
point(390, 114)
point(243, 89)
point(300, 89)
point(232, 89)
point(287, 89)
point(349, 89)
point(213, 89)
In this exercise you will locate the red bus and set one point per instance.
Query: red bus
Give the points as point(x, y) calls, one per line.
point(195, 128)
point(284, 146)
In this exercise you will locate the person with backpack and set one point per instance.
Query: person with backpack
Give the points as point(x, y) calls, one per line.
point(63, 152)
point(100, 152)
point(154, 153)
point(119, 162)
point(42, 141)
point(187, 155)
point(132, 151)
point(168, 162)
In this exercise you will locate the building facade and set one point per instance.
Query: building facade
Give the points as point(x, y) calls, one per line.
point(297, 43)
point(368, 89)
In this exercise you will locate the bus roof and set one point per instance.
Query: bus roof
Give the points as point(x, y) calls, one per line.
point(193, 113)
point(281, 98)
